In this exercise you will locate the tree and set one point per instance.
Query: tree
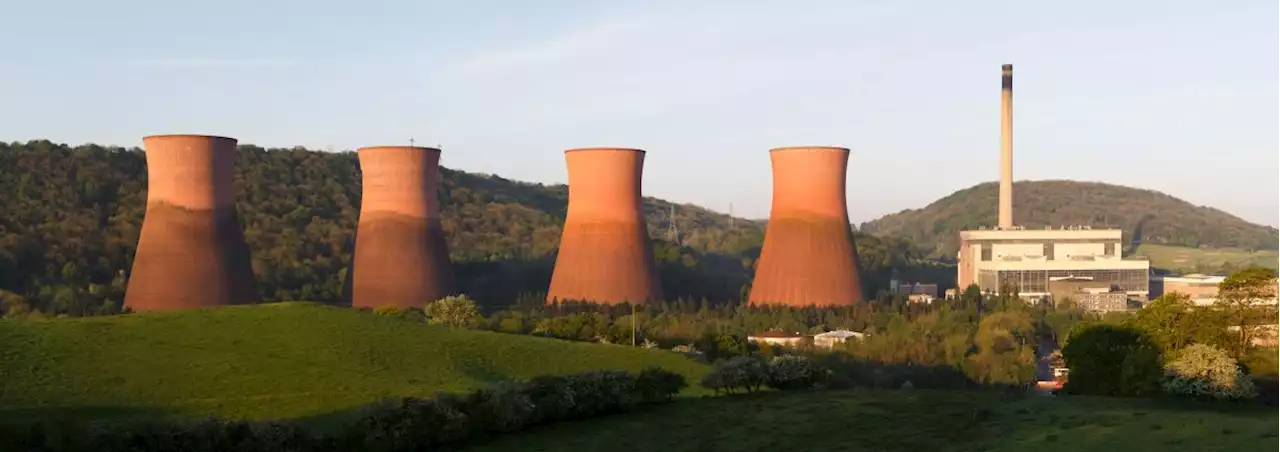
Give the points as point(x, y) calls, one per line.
point(456, 311)
point(1112, 360)
point(1247, 302)
point(1206, 371)
point(1174, 322)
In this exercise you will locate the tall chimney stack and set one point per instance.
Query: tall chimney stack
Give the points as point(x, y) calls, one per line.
point(1006, 146)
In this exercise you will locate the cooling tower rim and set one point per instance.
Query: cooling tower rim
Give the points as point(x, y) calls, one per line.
point(604, 148)
point(810, 149)
point(187, 135)
point(396, 148)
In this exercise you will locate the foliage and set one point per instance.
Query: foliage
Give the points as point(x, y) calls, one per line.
point(1006, 349)
point(1146, 216)
point(1246, 300)
point(1174, 322)
point(456, 311)
point(389, 311)
point(1206, 371)
point(789, 372)
point(655, 383)
point(739, 373)
point(271, 361)
point(73, 214)
point(72, 218)
point(1112, 360)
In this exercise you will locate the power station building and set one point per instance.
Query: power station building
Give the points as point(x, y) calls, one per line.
point(605, 255)
point(808, 257)
point(1054, 262)
point(401, 258)
point(1045, 262)
point(191, 249)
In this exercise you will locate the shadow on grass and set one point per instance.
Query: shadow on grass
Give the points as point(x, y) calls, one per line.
point(40, 428)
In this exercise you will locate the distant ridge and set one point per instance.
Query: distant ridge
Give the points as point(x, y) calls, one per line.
point(1146, 216)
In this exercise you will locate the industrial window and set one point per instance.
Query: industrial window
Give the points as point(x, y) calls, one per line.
point(986, 252)
point(1048, 251)
point(1108, 249)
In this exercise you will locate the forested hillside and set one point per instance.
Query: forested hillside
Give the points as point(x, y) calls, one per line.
point(70, 217)
point(1146, 216)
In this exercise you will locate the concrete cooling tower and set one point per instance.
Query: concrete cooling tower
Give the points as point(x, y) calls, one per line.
point(605, 255)
point(808, 256)
point(191, 250)
point(401, 258)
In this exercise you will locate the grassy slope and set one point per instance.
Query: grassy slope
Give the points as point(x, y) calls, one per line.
point(1189, 260)
point(271, 361)
point(912, 421)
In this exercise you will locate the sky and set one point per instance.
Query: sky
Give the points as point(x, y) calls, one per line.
point(1175, 96)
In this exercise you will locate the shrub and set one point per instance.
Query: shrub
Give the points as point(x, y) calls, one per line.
point(788, 372)
point(745, 373)
point(456, 311)
point(552, 398)
point(1205, 371)
point(1112, 360)
point(658, 385)
point(389, 311)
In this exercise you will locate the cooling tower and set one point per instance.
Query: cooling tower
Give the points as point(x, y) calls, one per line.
point(191, 250)
point(808, 256)
point(605, 255)
point(401, 258)
point(1006, 147)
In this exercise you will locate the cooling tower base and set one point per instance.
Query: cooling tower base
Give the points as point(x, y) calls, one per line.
point(190, 259)
point(807, 262)
point(399, 261)
point(606, 263)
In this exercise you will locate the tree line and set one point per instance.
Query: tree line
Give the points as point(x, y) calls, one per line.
point(70, 220)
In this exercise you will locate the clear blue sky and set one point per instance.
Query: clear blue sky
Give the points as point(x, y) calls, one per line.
point(1176, 96)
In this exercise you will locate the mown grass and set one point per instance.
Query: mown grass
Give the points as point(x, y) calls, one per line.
point(275, 361)
point(1188, 260)
point(911, 421)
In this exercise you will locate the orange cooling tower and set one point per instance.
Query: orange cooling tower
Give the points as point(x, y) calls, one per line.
point(191, 250)
point(605, 255)
point(401, 258)
point(808, 256)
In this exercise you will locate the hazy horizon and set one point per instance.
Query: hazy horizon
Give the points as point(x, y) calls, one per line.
point(1178, 98)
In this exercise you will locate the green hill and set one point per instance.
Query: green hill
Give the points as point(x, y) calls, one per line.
point(71, 217)
point(1146, 216)
point(281, 360)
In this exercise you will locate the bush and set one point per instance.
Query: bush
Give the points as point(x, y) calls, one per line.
point(1205, 371)
point(388, 311)
point(1112, 360)
point(456, 311)
point(746, 373)
point(657, 385)
point(793, 372)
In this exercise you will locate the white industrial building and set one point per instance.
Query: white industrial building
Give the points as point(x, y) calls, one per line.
point(1050, 262)
point(1033, 261)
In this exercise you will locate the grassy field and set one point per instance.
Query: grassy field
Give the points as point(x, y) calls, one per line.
point(1195, 260)
point(285, 360)
point(911, 421)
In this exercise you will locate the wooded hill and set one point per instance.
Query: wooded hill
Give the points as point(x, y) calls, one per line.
point(70, 217)
point(1145, 216)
